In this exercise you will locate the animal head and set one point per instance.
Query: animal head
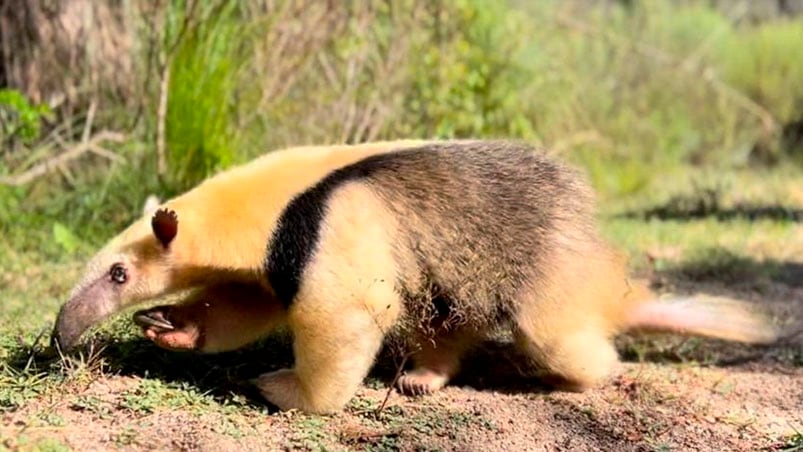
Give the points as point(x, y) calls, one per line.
point(134, 266)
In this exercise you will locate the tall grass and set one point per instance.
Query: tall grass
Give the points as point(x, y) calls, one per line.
point(201, 132)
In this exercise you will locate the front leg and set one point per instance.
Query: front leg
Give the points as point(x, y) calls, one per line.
point(334, 344)
point(214, 319)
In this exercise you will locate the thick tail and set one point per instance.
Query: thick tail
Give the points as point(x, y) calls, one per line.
point(714, 317)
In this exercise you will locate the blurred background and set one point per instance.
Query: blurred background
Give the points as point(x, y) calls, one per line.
point(103, 103)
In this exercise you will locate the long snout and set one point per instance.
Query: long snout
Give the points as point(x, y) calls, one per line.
point(86, 308)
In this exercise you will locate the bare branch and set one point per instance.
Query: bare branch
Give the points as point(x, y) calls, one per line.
point(161, 115)
point(90, 116)
point(105, 153)
point(399, 370)
point(57, 161)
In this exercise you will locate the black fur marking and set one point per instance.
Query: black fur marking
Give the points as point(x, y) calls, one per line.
point(478, 220)
point(298, 230)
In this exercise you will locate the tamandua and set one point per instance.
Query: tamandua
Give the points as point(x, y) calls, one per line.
point(435, 242)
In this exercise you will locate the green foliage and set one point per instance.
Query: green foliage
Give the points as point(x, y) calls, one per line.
point(20, 120)
point(624, 91)
point(65, 238)
point(18, 387)
point(62, 223)
point(759, 62)
point(466, 75)
point(794, 443)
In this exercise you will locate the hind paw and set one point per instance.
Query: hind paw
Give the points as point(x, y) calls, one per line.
point(421, 382)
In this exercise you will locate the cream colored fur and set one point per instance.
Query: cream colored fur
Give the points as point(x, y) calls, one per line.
point(224, 222)
point(348, 302)
point(346, 305)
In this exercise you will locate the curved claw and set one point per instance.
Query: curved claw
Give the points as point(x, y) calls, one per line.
point(420, 382)
point(170, 328)
point(153, 318)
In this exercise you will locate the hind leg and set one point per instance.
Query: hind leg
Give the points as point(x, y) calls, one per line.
point(574, 360)
point(435, 363)
point(567, 325)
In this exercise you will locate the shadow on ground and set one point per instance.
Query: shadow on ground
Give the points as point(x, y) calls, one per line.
point(495, 364)
point(720, 266)
point(772, 286)
point(705, 203)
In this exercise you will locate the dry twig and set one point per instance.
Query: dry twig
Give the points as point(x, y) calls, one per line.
point(57, 161)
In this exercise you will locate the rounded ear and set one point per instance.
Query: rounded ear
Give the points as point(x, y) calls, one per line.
point(165, 226)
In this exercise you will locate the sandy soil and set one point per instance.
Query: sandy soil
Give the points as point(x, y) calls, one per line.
point(685, 395)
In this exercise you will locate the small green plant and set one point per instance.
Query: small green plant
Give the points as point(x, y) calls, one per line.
point(51, 445)
point(311, 433)
point(17, 387)
point(465, 76)
point(65, 238)
point(93, 405)
point(125, 437)
point(50, 419)
point(20, 120)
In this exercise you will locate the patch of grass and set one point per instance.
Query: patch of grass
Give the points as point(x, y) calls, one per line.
point(19, 386)
point(42, 444)
point(362, 406)
point(127, 436)
point(791, 355)
point(311, 433)
point(151, 395)
point(659, 245)
point(94, 405)
point(709, 264)
point(667, 349)
point(229, 428)
point(202, 134)
point(438, 422)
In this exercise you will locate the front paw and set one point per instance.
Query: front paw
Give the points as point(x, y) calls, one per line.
point(170, 327)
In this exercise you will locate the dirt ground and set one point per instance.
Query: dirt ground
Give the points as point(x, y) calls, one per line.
point(682, 395)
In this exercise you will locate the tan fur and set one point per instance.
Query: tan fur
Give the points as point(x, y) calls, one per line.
point(565, 317)
point(223, 225)
point(253, 194)
point(338, 331)
point(242, 203)
point(563, 324)
point(438, 250)
point(567, 324)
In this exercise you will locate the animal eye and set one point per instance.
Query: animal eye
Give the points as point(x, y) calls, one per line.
point(118, 274)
